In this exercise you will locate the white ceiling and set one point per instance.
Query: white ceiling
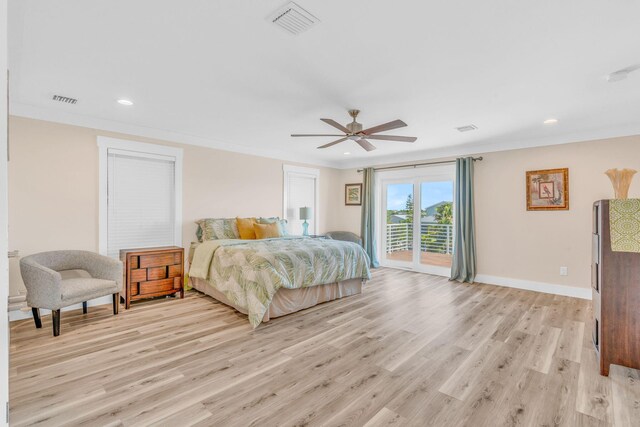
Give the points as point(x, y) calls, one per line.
point(218, 73)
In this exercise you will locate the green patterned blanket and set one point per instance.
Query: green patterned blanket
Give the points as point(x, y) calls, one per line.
point(249, 273)
point(624, 219)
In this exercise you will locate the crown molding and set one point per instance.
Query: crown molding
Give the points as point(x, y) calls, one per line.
point(485, 146)
point(52, 115)
point(478, 147)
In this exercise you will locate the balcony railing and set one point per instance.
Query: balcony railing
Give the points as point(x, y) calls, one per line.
point(434, 238)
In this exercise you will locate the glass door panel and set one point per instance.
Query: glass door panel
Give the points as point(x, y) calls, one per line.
point(416, 214)
point(436, 223)
point(399, 230)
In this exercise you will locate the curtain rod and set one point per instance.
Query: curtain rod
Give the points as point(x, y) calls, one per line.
point(415, 165)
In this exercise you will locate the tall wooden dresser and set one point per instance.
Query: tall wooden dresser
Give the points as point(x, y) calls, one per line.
point(152, 272)
point(615, 279)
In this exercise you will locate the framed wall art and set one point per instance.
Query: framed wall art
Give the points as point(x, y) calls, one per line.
point(548, 190)
point(353, 194)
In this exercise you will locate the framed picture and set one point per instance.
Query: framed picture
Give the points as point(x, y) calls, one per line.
point(548, 190)
point(353, 194)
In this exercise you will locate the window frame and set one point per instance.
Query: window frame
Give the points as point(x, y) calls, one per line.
point(143, 150)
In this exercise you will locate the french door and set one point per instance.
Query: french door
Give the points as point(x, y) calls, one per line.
point(416, 219)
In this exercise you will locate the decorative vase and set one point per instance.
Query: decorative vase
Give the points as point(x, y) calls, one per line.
point(621, 180)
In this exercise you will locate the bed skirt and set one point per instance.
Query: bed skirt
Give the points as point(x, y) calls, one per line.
point(287, 301)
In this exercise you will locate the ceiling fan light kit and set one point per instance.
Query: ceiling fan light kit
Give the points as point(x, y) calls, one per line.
point(353, 131)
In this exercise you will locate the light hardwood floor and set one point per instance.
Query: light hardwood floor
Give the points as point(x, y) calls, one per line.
point(412, 350)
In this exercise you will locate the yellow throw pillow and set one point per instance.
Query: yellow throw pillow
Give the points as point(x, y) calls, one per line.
point(245, 228)
point(266, 231)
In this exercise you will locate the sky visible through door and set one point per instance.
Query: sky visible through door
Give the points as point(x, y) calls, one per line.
point(436, 192)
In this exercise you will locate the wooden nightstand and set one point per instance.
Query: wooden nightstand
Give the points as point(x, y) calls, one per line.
point(152, 272)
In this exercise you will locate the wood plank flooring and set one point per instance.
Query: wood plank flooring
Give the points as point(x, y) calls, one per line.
point(413, 349)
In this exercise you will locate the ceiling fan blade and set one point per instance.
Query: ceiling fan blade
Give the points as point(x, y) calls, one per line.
point(393, 138)
point(387, 126)
point(333, 143)
point(311, 134)
point(366, 144)
point(336, 125)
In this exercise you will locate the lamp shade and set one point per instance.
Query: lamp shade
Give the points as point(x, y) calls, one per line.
point(306, 213)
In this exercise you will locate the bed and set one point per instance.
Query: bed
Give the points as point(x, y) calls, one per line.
point(270, 278)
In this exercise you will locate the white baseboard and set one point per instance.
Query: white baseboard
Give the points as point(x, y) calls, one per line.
point(547, 288)
point(26, 313)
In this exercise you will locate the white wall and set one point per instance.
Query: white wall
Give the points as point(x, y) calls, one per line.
point(4, 275)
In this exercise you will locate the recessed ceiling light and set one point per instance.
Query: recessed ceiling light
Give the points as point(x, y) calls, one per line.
point(346, 153)
point(125, 102)
point(550, 121)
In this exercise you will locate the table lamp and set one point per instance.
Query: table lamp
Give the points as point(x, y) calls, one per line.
point(305, 214)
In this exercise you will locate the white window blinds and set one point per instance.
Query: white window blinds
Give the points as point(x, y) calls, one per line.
point(141, 200)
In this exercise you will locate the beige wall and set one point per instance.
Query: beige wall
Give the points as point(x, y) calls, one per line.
point(513, 243)
point(53, 194)
point(348, 217)
point(53, 188)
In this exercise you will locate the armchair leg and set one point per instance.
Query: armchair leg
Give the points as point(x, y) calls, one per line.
point(55, 317)
point(85, 309)
point(36, 317)
point(116, 303)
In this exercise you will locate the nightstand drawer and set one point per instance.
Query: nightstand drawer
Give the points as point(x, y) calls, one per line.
point(156, 286)
point(157, 260)
point(175, 270)
point(138, 275)
point(156, 273)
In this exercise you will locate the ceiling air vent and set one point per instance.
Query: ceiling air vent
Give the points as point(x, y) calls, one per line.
point(467, 128)
point(64, 99)
point(293, 19)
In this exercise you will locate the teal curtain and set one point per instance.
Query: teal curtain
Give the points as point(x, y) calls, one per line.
point(368, 230)
point(463, 266)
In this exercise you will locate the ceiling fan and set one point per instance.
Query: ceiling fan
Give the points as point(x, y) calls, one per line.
point(354, 132)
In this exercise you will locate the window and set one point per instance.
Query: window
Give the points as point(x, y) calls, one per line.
point(140, 195)
point(301, 189)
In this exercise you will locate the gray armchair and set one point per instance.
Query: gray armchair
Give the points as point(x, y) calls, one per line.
point(346, 236)
point(62, 278)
